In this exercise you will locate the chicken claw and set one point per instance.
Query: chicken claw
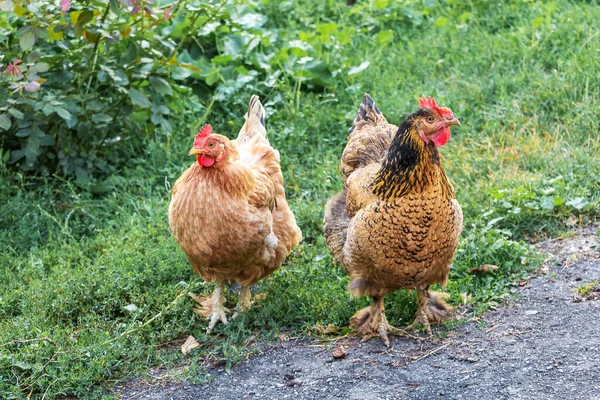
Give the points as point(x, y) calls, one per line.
point(244, 302)
point(212, 308)
point(431, 308)
point(371, 322)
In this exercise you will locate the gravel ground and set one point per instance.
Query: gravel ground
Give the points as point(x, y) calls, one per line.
point(541, 346)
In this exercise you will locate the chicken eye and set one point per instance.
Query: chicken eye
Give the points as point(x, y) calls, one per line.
point(211, 145)
point(431, 118)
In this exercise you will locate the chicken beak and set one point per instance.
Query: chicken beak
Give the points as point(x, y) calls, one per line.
point(194, 151)
point(453, 121)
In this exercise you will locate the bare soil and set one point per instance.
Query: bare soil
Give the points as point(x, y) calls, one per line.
point(543, 345)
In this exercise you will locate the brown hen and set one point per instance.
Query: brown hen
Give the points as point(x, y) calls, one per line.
point(397, 223)
point(229, 212)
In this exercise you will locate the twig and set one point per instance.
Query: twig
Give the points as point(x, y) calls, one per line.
point(139, 394)
point(432, 352)
point(95, 51)
point(46, 392)
point(492, 328)
point(145, 324)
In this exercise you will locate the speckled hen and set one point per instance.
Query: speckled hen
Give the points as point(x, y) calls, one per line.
point(397, 223)
point(229, 212)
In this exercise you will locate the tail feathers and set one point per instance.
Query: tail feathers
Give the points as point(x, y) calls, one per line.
point(368, 112)
point(335, 225)
point(437, 309)
point(255, 120)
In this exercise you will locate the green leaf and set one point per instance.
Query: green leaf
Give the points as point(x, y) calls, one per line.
point(327, 29)
point(85, 17)
point(442, 21)
point(23, 132)
point(319, 73)
point(212, 77)
point(251, 20)
point(232, 45)
point(22, 365)
point(48, 109)
point(558, 201)
point(33, 57)
point(547, 203)
point(16, 156)
point(114, 7)
point(64, 114)
point(101, 118)
point(39, 67)
point(160, 85)
point(54, 34)
point(78, 31)
point(46, 140)
point(536, 23)
point(95, 105)
point(578, 203)
point(223, 59)
point(32, 150)
point(27, 41)
point(16, 113)
point(384, 37)
point(5, 123)
point(180, 73)
point(138, 98)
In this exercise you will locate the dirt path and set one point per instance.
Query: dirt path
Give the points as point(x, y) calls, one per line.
point(542, 346)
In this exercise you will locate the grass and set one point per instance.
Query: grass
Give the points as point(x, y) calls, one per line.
point(587, 288)
point(525, 163)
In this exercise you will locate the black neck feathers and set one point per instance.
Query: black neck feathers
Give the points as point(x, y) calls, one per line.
point(410, 165)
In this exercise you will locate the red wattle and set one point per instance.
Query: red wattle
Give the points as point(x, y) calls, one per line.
point(206, 161)
point(442, 137)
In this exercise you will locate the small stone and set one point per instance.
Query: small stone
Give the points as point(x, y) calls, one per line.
point(339, 353)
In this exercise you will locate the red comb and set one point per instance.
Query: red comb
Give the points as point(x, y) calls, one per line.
point(202, 135)
point(428, 102)
point(205, 130)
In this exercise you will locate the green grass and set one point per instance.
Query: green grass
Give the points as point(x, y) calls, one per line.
point(525, 163)
point(587, 288)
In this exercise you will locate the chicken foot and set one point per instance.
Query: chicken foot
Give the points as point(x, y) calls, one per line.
point(431, 308)
point(212, 308)
point(371, 322)
point(244, 302)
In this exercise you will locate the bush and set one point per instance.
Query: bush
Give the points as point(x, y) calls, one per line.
point(83, 85)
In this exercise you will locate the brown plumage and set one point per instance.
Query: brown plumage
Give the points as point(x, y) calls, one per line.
point(229, 212)
point(397, 223)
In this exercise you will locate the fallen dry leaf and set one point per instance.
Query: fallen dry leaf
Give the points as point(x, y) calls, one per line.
point(339, 353)
point(190, 344)
point(484, 268)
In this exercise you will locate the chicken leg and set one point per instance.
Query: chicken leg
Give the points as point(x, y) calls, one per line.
point(244, 301)
point(371, 321)
point(213, 309)
point(431, 308)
